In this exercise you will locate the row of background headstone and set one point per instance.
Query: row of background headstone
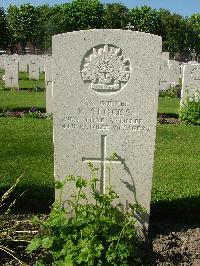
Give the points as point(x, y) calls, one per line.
point(24, 61)
point(34, 65)
point(13, 64)
point(171, 73)
point(170, 76)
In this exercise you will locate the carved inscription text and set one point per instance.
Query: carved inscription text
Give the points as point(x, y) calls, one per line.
point(105, 115)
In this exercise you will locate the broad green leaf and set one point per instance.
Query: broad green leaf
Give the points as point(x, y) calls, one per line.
point(34, 244)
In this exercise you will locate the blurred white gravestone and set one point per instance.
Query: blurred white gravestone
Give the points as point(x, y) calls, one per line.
point(106, 85)
point(12, 74)
point(190, 82)
point(34, 70)
point(1, 62)
point(49, 85)
point(5, 60)
point(164, 74)
point(23, 63)
point(165, 55)
point(175, 72)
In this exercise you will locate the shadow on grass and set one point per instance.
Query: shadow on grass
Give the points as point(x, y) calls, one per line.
point(185, 211)
point(37, 199)
point(22, 109)
point(40, 198)
point(167, 115)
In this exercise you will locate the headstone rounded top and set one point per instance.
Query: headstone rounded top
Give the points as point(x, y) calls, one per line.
point(104, 69)
point(109, 31)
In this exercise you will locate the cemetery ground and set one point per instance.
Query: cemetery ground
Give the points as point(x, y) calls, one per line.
point(27, 151)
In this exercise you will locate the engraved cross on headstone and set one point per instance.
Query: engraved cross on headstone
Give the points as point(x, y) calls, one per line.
point(49, 82)
point(11, 79)
point(129, 27)
point(103, 161)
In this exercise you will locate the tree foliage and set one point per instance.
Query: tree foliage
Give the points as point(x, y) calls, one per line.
point(4, 36)
point(194, 25)
point(175, 33)
point(86, 14)
point(78, 15)
point(145, 19)
point(23, 23)
point(42, 39)
point(60, 19)
point(116, 16)
point(27, 23)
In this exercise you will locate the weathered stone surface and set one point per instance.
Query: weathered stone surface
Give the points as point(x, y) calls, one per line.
point(165, 55)
point(34, 70)
point(12, 74)
point(49, 85)
point(23, 63)
point(106, 85)
point(1, 62)
point(175, 74)
point(4, 60)
point(164, 74)
point(41, 60)
point(190, 82)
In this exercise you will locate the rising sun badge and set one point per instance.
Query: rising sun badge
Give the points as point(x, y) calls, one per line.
point(105, 70)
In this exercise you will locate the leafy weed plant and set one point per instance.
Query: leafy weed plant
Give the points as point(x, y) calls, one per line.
point(87, 234)
point(190, 112)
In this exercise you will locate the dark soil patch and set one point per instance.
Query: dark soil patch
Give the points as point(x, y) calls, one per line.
point(168, 119)
point(169, 244)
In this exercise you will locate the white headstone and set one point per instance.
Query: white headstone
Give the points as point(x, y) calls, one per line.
point(164, 74)
point(192, 62)
point(42, 61)
point(23, 63)
point(49, 85)
point(1, 62)
point(190, 82)
point(106, 85)
point(175, 74)
point(5, 60)
point(34, 70)
point(12, 74)
point(165, 55)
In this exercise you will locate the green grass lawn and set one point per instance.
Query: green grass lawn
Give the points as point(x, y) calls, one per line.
point(27, 147)
point(168, 105)
point(12, 99)
point(25, 83)
point(176, 182)
point(2, 83)
point(2, 72)
point(21, 99)
point(177, 162)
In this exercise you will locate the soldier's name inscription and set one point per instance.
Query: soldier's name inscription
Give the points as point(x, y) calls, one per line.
point(107, 115)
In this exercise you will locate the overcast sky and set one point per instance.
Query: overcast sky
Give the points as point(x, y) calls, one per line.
point(182, 7)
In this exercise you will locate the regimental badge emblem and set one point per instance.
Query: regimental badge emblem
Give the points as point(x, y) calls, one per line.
point(105, 70)
point(196, 73)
